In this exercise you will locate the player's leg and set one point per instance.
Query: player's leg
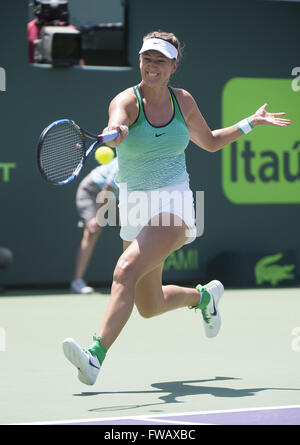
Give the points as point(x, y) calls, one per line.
point(142, 258)
point(152, 246)
point(152, 298)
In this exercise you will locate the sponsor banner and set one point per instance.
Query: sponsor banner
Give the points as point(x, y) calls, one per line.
point(262, 167)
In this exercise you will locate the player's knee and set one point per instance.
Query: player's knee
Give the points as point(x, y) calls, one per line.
point(125, 273)
point(147, 312)
point(119, 275)
point(148, 306)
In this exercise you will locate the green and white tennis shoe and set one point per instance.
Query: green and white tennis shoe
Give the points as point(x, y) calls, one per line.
point(208, 305)
point(87, 364)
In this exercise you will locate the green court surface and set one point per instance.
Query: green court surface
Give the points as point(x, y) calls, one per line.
point(157, 366)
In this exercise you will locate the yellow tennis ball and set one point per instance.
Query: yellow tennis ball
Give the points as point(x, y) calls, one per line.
point(104, 155)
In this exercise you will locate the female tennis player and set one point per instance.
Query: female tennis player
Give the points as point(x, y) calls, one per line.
point(151, 162)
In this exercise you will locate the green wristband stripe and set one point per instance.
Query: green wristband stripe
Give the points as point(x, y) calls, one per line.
point(249, 122)
point(240, 129)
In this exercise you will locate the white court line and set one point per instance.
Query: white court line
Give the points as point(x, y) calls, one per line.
point(155, 417)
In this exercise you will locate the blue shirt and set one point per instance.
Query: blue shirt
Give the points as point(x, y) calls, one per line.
point(105, 175)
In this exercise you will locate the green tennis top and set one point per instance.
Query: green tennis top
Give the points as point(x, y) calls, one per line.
point(152, 157)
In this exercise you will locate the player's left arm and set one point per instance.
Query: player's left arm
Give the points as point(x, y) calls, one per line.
point(213, 140)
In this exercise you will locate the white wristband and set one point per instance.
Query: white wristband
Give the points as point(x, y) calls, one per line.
point(245, 126)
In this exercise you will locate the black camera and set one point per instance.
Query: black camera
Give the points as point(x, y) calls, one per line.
point(51, 11)
point(59, 44)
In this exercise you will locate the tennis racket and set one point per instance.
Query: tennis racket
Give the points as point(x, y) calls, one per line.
point(63, 150)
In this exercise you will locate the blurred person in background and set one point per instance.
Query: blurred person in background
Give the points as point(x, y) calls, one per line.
point(100, 179)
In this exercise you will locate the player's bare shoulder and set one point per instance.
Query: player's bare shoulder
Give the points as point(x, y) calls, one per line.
point(124, 97)
point(126, 100)
point(185, 100)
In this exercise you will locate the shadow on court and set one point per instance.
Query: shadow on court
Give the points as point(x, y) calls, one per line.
point(178, 389)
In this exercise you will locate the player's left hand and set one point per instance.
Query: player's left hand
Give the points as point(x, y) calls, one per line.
point(263, 117)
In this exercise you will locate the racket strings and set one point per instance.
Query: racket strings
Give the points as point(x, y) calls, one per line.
point(62, 151)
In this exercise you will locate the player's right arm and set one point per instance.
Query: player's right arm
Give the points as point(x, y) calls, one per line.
point(122, 113)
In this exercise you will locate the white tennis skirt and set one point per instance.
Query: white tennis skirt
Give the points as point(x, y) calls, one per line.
point(137, 208)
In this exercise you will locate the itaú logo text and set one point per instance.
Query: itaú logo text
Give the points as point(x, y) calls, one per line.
point(269, 166)
point(261, 175)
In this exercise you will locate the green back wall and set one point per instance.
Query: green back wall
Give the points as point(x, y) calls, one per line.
point(223, 41)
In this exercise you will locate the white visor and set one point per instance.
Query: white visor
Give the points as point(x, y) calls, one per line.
point(164, 47)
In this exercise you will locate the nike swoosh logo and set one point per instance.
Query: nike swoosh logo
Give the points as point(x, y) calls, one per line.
point(160, 134)
point(92, 364)
point(215, 310)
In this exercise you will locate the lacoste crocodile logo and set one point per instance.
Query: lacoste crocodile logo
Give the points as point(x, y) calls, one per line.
point(266, 270)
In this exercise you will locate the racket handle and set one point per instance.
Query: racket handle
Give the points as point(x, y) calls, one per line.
point(109, 136)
